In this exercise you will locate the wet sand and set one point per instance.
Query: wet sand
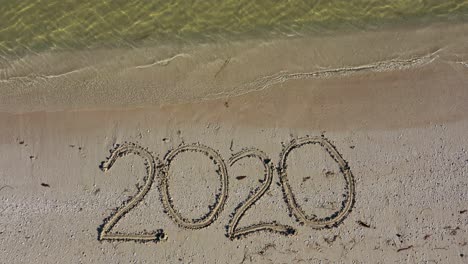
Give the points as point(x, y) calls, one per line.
point(387, 158)
point(148, 77)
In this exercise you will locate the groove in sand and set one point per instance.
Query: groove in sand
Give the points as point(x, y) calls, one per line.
point(253, 197)
point(150, 163)
point(215, 209)
point(314, 222)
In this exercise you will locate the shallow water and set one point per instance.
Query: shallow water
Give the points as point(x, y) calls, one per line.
point(32, 25)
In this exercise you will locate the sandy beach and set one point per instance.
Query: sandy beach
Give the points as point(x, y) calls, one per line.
point(328, 149)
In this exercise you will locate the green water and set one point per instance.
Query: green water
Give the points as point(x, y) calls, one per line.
point(38, 25)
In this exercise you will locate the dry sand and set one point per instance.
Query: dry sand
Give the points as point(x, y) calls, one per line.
point(392, 107)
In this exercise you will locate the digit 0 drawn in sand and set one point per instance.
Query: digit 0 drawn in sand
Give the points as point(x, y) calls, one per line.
point(232, 232)
point(150, 163)
point(215, 209)
point(347, 204)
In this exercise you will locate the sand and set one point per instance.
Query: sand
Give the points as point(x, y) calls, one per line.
point(162, 75)
point(344, 149)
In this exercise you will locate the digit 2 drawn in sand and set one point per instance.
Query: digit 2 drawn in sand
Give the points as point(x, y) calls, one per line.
point(295, 209)
point(105, 229)
point(233, 231)
point(104, 232)
point(216, 209)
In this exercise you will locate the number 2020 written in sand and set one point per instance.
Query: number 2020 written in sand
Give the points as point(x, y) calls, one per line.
point(160, 170)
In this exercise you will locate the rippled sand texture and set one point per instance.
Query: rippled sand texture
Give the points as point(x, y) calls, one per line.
point(32, 25)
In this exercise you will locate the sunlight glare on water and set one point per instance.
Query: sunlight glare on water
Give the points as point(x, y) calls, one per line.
point(34, 25)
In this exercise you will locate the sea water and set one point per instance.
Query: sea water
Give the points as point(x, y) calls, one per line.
point(34, 25)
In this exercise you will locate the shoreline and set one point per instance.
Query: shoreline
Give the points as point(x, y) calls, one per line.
point(415, 97)
point(159, 76)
